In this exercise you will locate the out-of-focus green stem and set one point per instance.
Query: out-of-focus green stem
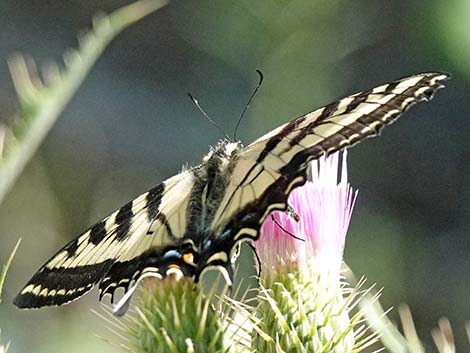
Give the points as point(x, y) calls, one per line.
point(40, 105)
point(3, 274)
point(377, 319)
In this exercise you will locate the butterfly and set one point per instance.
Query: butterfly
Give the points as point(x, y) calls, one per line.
point(197, 219)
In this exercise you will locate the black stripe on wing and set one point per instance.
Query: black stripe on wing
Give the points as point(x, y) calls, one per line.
point(47, 287)
point(82, 263)
point(281, 157)
point(124, 274)
point(349, 132)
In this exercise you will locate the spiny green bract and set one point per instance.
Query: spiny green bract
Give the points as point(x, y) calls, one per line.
point(177, 317)
point(303, 314)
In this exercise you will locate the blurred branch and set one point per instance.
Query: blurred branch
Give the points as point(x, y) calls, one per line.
point(4, 349)
point(41, 101)
point(409, 330)
point(391, 338)
point(444, 337)
point(467, 328)
point(377, 318)
point(3, 274)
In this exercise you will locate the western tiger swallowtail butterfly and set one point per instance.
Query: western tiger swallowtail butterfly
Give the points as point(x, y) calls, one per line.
point(197, 219)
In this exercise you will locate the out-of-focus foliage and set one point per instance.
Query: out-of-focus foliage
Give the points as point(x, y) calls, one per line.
point(453, 33)
point(131, 125)
point(3, 275)
point(43, 98)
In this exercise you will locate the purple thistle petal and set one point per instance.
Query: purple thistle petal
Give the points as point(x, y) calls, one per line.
point(324, 205)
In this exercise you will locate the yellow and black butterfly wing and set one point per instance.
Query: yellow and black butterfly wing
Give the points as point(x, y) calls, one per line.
point(206, 211)
point(268, 169)
point(124, 235)
point(163, 244)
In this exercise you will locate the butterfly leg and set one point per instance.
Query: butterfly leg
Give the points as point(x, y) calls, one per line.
point(284, 229)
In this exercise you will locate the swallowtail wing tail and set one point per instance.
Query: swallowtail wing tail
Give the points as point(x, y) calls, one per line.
point(196, 219)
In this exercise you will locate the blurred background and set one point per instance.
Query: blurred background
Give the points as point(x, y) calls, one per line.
point(131, 125)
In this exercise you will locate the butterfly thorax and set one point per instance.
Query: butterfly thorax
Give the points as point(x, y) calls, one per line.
point(210, 182)
point(209, 186)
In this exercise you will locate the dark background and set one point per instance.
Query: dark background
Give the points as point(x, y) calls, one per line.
point(131, 125)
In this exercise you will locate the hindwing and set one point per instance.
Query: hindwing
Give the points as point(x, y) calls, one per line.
point(151, 221)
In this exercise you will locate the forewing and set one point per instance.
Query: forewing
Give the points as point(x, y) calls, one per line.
point(269, 168)
point(128, 232)
point(162, 237)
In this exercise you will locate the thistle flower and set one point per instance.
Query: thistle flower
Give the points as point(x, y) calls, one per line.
point(302, 305)
point(174, 315)
point(324, 208)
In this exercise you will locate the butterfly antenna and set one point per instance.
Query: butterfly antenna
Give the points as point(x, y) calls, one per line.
point(248, 104)
point(196, 103)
